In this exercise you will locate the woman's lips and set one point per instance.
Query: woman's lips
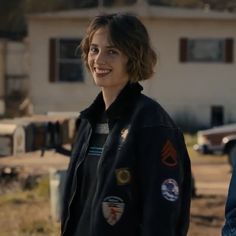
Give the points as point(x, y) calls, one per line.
point(101, 72)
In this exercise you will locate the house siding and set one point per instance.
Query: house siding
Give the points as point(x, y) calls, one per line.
point(192, 88)
point(186, 90)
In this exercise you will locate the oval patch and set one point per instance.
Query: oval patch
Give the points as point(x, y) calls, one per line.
point(170, 190)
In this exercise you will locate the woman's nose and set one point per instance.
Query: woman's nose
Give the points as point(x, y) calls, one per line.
point(100, 59)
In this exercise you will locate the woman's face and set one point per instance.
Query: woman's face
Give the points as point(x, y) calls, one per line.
point(107, 63)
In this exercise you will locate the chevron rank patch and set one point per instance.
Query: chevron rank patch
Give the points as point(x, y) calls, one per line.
point(112, 208)
point(169, 154)
point(170, 190)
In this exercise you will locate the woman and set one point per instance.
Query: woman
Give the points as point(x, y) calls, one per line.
point(130, 172)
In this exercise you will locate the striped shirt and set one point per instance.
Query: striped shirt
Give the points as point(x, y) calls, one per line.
point(88, 175)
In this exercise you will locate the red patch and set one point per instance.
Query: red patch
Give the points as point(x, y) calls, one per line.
point(169, 154)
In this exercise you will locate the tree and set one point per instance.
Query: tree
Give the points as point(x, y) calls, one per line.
point(182, 3)
point(212, 4)
point(33, 6)
point(94, 3)
point(12, 21)
point(229, 5)
point(12, 12)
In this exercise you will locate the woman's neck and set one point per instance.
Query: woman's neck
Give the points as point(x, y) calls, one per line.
point(110, 94)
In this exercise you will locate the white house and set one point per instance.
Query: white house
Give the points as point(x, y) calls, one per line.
point(195, 79)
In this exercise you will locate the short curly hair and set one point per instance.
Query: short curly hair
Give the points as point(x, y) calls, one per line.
point(130, 36)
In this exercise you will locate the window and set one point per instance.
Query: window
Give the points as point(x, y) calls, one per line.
point(65, 64)
point(206, 50)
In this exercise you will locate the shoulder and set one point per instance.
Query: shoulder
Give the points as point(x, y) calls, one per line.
point(150, 113)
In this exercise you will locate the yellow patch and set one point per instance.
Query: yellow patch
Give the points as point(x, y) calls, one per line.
point(123, 176)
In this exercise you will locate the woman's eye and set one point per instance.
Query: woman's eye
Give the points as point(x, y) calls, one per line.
point(93, 50)
point(112, 52)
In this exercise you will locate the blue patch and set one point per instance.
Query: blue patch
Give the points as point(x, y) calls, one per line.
point(170, 190)
point(95, 151)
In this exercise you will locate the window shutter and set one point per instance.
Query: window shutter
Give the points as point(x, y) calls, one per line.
point(183, 49)
point(229, 50)
point(52, 60)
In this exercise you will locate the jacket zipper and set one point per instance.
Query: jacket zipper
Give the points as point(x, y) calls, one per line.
point(76, 169)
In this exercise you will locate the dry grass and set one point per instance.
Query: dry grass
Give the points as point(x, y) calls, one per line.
point(27, 213)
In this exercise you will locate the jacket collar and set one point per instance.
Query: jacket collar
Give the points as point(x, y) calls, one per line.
point(118, 108)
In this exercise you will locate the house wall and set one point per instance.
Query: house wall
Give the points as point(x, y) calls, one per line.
point(17, 68)
point(186, 90)
point(58, 96)
point(17, 63)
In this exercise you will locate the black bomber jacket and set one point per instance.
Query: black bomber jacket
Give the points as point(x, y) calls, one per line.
point(143, 176)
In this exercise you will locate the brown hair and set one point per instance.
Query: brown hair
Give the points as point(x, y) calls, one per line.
point(130, 36)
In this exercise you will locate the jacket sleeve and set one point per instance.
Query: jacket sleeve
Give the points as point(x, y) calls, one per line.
point(229, 228)
point(164, 175)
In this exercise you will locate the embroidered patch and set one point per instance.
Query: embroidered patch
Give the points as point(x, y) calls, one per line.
point(170, 190)
point(169, 154)
point(112, 208)
point(123, 176)
point(124, 133)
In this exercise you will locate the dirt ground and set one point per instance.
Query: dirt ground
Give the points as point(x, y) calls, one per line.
point(212, 175)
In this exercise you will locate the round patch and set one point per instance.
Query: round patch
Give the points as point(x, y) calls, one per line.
point(170, 190)
point(123, 176)
point(112, 208)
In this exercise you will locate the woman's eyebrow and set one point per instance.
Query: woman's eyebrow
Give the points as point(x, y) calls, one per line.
point(93, 45)
point(108, 46)
point(111, 46)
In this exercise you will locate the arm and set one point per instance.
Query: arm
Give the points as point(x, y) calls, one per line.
point(165, 182)
point(229, 228)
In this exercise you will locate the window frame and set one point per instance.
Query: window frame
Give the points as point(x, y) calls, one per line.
point(55, 60)
point(228, 50)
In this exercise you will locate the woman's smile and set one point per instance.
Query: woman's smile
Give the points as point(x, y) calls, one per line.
point(100, 72)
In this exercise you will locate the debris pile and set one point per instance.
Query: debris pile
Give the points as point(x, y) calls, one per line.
point(14, 178)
